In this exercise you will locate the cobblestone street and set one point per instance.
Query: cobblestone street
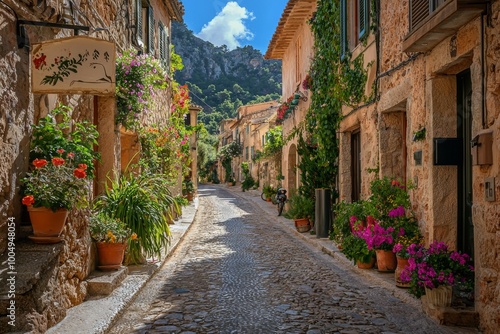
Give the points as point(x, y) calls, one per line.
point(238, 271)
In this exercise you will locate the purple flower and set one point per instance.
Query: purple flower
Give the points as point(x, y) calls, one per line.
point(397, 212)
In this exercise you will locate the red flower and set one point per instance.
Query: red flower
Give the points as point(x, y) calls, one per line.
point(57, 161)
point(79, 173)
point(28, 200)
point(82, 166)
point(395, 183)
point(39, 163)
point(71, 155)
point(60, 151)
point(370, 221)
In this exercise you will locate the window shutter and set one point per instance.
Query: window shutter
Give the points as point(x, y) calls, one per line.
point(139, 24)
point(151, 37)
point(343, 29)
point(161, 43)
point(364, 10)
point(419, 11)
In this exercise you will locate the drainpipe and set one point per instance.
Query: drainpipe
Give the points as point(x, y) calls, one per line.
point(483, 76)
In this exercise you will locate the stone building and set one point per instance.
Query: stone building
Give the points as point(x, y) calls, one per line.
point(293, 42)
point(51, 278)
point(438, 126)
point(433, 120)
point(245, 129)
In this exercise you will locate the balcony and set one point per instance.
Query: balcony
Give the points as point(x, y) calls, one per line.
point(431, 21)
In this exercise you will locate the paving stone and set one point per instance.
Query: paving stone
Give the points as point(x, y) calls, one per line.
point(240, 271)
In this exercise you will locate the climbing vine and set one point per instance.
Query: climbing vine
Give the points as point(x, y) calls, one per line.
point(336, 81)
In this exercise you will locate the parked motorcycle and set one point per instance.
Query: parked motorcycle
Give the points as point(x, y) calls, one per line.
point(281, 199)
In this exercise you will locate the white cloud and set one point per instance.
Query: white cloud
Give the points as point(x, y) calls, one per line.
point(228, 27)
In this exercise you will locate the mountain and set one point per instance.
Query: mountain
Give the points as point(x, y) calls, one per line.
point(221, 80)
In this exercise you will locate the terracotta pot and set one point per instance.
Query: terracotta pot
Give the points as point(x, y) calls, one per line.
point(190, 197)
point(302, 224)
point(386, 260)
point(366, 265)
point(110, 255)
point(440, 296)
point(402, 263)
point(47, 223)
point(268, 199)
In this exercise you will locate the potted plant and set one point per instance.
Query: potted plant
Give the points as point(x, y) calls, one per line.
point(268, 192)
point(435, 270)
point(111, 236)
point(143, 203)
point(188, 189)
point(355, 247)
point(62, 157)
point(301, 210)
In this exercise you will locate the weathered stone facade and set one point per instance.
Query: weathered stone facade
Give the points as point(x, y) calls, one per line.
point(293, 43)
point(439, 86)
point(59, 282)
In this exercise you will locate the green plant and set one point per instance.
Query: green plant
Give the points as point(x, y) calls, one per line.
point(56, 135)
point(56, 185)
point(355, 249)
point(269, 191)
point(300, 207)
point(144, 204)
point(181, 201)
point(248, 181)
point(187, 186)
point(137, 76)
point(419, 134)
point(107, 229)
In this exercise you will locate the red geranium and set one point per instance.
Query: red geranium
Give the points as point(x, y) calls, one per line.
point(82, 166)
point(57, 161)
point(79, 173)
point(39, 163)
point(28, 200)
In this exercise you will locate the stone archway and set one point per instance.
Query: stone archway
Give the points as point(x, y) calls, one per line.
point(292, 169)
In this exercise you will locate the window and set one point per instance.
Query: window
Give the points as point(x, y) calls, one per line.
point(164, 46)
point(363, 13)
point(252, 152)
point(145, 26)
point(246, 152)
point(354, 23)
point(263, 140)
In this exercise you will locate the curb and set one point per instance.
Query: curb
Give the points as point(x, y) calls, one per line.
point(97, 314)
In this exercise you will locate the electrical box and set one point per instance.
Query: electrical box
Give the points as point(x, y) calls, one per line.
point(482, 148)
point(489, 189)
point(447, 151)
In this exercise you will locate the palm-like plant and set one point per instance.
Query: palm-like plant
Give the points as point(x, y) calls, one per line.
point(143, 203)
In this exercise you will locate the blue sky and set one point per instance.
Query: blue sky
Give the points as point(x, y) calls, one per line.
point(234, 23)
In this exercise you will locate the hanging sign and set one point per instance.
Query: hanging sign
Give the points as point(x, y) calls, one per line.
point(74, 65)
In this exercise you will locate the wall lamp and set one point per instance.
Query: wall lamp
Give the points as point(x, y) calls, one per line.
point(297, 97)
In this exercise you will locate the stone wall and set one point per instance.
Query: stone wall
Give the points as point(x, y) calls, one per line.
point(425, 89)
point(54, 276)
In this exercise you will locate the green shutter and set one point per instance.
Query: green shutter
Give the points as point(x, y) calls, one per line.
point(364, 17)
point(343, 28)
point(161, 43)
point(151, 37)
point(139, 25)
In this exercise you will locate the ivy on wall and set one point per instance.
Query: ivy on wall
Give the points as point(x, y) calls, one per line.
point(336, 81)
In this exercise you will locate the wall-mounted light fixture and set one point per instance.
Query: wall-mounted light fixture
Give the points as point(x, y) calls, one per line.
point(297, 97)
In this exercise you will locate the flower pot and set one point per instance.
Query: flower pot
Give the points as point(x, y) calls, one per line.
point(110, 255)
point(190, 197)
point(386, 260)
point(401, 264)
point(268, 199)
point(47, 224)
point(302, 225)
point(366, 265)
point(440, 296)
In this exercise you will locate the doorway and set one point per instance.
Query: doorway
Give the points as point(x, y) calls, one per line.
point(465, 228)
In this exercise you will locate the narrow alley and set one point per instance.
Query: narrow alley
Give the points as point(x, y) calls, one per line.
point(239, 271)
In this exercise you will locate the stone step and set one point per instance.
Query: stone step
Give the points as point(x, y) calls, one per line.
point(101, 283)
